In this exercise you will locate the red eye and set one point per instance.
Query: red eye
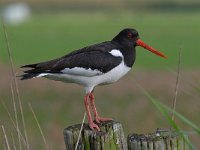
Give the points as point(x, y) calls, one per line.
point(130, 36)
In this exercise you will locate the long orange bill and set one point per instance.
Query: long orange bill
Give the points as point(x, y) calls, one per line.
point(139, 42)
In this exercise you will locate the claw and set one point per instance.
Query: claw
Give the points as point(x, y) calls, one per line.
point(93, 126)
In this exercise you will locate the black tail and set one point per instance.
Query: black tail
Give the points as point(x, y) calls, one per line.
point(28, 76)
point(34, 70)
point(29, 66)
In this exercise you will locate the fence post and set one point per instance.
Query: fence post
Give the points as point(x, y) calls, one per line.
point(162, 139)
point(111, 137)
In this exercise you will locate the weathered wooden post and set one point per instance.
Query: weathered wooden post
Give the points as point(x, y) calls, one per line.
point(111, 137)
point(162, 139)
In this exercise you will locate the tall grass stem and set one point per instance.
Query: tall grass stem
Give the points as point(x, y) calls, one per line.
point(15, 83)
point(5, 136)
point(177, 85)
point(35, 117)
point(13, 140)
point(21, 138)
point(79, 135)
point(16, 116)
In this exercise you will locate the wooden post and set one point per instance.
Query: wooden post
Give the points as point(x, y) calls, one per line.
point(111, 137)
point(162, 139)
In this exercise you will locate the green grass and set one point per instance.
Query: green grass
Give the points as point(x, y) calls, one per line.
point(46, 36)
point(57, 105)
point(164, 109)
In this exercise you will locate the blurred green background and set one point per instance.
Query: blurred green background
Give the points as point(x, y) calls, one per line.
point(56, 27)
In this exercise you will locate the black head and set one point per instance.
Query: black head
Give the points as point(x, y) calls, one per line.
point(129, 38)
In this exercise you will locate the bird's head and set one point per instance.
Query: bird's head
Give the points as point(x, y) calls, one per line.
point(130, 37)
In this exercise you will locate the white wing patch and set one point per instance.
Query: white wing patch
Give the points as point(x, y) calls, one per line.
point(42, 74)
point(79, 71)
point(116, 52)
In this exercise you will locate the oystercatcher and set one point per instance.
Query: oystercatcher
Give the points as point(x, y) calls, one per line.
point(98, 64)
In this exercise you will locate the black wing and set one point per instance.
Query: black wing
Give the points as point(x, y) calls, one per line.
point(96, 57)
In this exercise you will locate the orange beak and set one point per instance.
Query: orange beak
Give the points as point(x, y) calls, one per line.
point(139, 42)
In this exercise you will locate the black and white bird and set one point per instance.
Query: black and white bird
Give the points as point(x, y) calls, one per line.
point(98, 64)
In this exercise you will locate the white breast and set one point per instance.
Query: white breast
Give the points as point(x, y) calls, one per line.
point(114, 75)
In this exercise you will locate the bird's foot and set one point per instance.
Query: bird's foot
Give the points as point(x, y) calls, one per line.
point(99, 119)
point(93, 126)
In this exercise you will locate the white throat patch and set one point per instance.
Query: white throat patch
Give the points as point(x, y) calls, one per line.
point(116, 52)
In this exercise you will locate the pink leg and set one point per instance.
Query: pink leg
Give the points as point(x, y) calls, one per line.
point(92, 125)
point(96, 116)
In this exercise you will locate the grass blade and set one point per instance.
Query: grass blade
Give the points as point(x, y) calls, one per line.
point(5, 136)
point(13, 141)
point(177, 85)
point(15, 83)
point(182, 118)
point(79, 135)
point(44, 140)
point(16, 116)
point(21, 138)
point(162, 109)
